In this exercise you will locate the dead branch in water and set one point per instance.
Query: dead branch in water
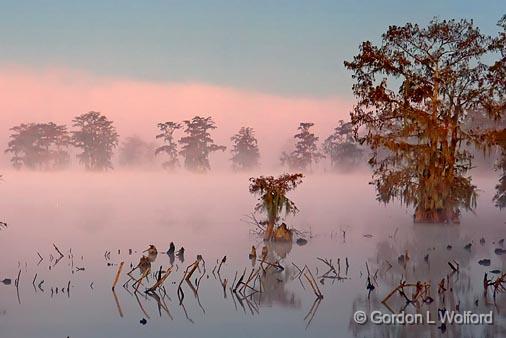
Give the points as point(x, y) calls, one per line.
point(312, 282)
point(116, 277)
point(191, 268)
point(118, 306)
point(58, 250)
point(312, 311)
point(223, 260)
point(421, 292)
point(139, 281)
point(160, 281)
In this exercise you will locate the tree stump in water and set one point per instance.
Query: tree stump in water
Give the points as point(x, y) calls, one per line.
point(437, 216)
point(283, 234)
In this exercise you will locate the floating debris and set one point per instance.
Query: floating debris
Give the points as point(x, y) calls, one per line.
point(500, 251)
point(484, 262)
point(301, 241)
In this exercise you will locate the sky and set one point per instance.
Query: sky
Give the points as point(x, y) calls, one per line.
point(280, 47)
point(266, 64)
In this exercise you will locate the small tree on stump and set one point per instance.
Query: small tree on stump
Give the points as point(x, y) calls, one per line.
point(245, 153)
point(414, 92)
point(167, 130)
point(273, 200)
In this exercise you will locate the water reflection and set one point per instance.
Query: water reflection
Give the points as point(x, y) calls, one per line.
point(287, 304)
point(447, 262)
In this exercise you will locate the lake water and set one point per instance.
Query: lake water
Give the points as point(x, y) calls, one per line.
point(88, 215)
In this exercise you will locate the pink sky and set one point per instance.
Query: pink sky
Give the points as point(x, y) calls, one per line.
point(136, 107)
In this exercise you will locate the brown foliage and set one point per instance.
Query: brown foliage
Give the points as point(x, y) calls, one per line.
point(415, 92)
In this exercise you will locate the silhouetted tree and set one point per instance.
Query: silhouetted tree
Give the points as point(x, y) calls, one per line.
point(39, 146)
point(97, 138)
point(198, 144)
point(245, 153)
point(306, 151)
point(273, 198)
point(342, 147)
point(135, 152)
point(167, 130)
point(414, 92)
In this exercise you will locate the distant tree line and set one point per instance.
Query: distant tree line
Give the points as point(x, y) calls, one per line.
point(47, 146)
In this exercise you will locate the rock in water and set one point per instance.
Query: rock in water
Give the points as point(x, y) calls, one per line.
point(301, 241)
point(500, 251)
point(484, 262)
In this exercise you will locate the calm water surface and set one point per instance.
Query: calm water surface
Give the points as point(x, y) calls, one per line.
point(87, 215)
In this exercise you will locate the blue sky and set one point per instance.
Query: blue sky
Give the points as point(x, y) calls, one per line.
point(279, 47)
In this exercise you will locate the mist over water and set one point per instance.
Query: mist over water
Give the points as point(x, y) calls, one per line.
point(94, 213)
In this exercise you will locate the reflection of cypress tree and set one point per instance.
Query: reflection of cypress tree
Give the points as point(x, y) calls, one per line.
point(198, 144)
point(306, 151)
point(245, 153)
point(414, 93)
point(97, 138)
point(39, 146)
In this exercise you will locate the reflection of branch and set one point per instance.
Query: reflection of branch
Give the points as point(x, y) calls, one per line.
point(140, 305)
point(41, 258)
point(196, 294)
point(16, 283)
point(312, 311)
point(117, 303)
point(186, 313)
point(161, 304)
